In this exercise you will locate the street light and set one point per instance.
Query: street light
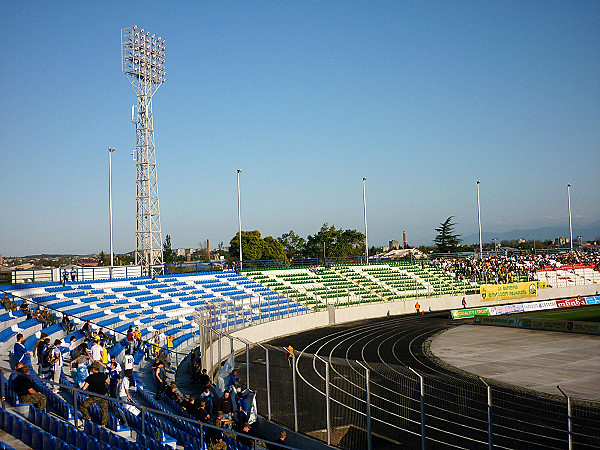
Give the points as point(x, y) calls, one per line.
point(239, 215)
point(570, 223)
point(479, 220)
point(110, 150)
point(365, 211)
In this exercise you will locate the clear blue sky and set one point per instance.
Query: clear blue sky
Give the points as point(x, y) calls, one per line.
point(422, 98)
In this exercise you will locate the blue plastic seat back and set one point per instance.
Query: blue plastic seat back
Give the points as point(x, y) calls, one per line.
point(17, 427)
point(49, 441)
point(37, 439)
point(27, 433)
point(62, 432)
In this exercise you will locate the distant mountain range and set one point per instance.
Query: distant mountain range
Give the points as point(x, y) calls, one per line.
point(589, 233)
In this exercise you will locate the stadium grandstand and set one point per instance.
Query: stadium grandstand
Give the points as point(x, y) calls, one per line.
point(187, 320)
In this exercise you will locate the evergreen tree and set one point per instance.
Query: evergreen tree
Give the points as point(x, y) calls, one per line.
point(167, 251)
point(446, 240)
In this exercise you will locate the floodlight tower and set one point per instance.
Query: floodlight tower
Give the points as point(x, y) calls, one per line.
point(143, 61)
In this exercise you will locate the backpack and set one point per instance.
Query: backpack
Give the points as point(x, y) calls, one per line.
point(49, 356)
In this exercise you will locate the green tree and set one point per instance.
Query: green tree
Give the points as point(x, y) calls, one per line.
point(292, 244)
point(167, 251)
point(252, 245)
point(446, 240)
point(103, 259)
point(337, 242)
point(272, 249)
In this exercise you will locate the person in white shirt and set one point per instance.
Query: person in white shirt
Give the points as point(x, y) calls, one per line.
point(97, 352)
point(123, 392)
point(57, 366)
point(128, 362)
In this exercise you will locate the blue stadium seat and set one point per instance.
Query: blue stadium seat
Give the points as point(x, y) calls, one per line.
point(37, 439)
point(17, 427)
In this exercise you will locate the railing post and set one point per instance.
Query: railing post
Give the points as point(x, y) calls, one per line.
point(368, 407)
point(143, 420)
point(569, 424)
point(327, 402)
point(295, 393)
point(248, 365)
point(490, 415)
point(75, 415)
point(268, 384)
point(219, 346)
point(2, 393)
point(422, 397)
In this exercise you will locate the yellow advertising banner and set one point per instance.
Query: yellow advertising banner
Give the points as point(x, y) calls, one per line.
point(491, 292)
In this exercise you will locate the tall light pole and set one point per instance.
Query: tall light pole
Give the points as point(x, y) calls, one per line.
point(143, 61)
point(570, 223)
point(365, 211)
point(479, 220)
point(239, 216)
point(110, 150)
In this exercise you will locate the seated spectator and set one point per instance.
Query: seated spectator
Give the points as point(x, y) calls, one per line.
point(48, 318)
point(87, 329)
point(65, 323)
point(9, 305)
point(26, 392)
point(25, 308)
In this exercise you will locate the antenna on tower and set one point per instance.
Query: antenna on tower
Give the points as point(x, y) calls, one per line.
point(143, 61)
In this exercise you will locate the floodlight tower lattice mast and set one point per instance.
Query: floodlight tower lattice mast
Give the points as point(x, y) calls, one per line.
point(143, 61)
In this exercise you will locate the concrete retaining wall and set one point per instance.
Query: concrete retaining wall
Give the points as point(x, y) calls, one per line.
point(297, 324)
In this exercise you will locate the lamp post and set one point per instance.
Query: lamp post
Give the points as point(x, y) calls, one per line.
point(479, 220)
point(239, 216)
point(110, 150)
point(570, 223)
point(365, 211)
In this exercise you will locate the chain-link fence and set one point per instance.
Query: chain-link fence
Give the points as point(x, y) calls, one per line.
point(358, 405)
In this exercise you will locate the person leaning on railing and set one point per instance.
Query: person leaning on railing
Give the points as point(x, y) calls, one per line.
point(25, 391)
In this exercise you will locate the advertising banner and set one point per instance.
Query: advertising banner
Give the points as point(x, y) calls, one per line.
point(568, 303)
point(497, 321)
point(592, 300)
point(506, 309)
point(471, 312)
point(491, 292)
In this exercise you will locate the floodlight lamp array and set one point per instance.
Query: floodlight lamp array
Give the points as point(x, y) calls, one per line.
point(143, 55)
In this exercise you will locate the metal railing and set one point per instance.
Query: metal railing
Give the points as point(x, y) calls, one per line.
point(72, 392)
point(351, 404)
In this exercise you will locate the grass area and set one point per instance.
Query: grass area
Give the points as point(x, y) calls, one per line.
point(581, 314)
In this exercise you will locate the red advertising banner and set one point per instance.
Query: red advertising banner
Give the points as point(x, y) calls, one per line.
point(568, 303)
